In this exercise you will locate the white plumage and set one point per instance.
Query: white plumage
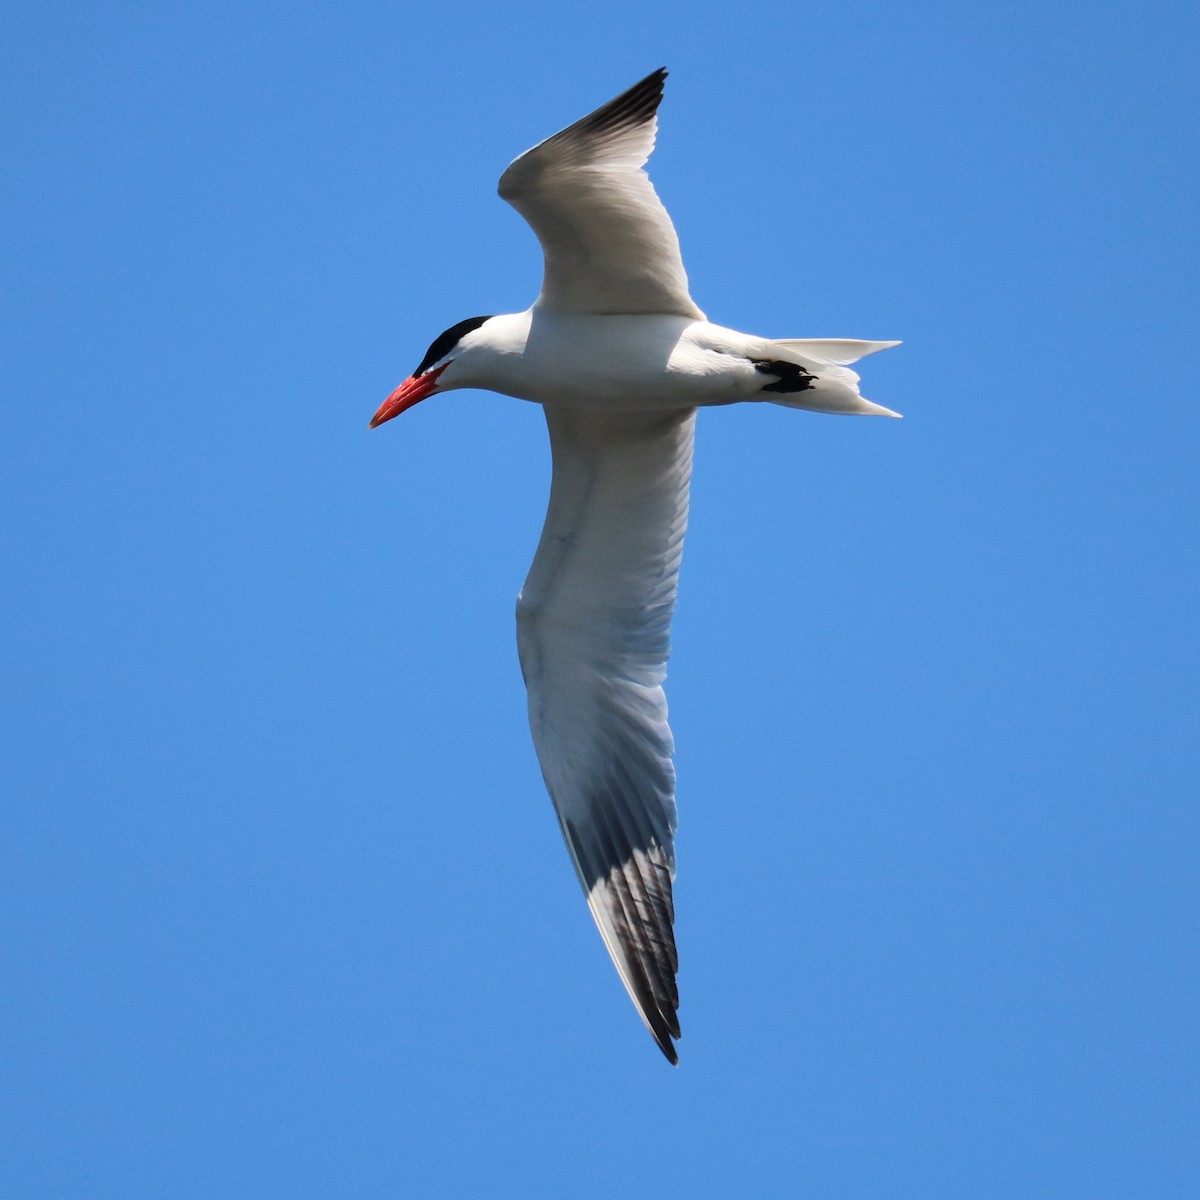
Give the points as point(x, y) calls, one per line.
point(620, 356)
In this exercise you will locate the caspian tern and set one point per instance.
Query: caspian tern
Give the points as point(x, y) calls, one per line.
point(620, 357)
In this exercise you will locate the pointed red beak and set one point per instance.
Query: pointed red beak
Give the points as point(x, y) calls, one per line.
point(410, 392)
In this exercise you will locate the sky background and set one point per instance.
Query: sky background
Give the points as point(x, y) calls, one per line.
point(284, 911)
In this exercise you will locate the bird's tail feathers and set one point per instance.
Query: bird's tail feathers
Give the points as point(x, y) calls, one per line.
point(835, 386)
point(838, 351)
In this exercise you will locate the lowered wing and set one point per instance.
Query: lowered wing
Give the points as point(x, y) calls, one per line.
point(593, 625)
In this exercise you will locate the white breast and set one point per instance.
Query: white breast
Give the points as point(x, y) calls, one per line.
point(585, 360)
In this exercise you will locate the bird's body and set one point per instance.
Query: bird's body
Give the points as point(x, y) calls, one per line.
point(640, 363)
point(621, 358)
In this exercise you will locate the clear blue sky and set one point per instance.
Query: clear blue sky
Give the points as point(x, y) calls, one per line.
point(285, 910)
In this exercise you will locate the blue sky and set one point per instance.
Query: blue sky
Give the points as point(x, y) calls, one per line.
point(285, 910)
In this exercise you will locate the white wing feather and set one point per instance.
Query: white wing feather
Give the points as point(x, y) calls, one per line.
point(609, 245)
point(593, 626)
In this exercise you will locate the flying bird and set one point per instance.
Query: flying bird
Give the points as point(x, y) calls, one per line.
point(619, 356)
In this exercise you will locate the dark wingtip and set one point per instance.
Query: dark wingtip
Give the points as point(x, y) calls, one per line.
point(668, 1049)
point(634, 106)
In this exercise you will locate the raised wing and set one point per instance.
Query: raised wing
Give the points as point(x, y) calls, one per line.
point(608, 242)
point(593, 628)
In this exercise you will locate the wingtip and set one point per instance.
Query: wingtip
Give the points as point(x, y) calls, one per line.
point(630, 902)
point(664, 1029)
point(633, 106)
point(668, 1048)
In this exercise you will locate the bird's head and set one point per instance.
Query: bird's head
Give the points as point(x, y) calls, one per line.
point(435, 373)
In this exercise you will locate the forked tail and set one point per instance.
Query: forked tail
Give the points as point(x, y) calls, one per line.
point(812, 373)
